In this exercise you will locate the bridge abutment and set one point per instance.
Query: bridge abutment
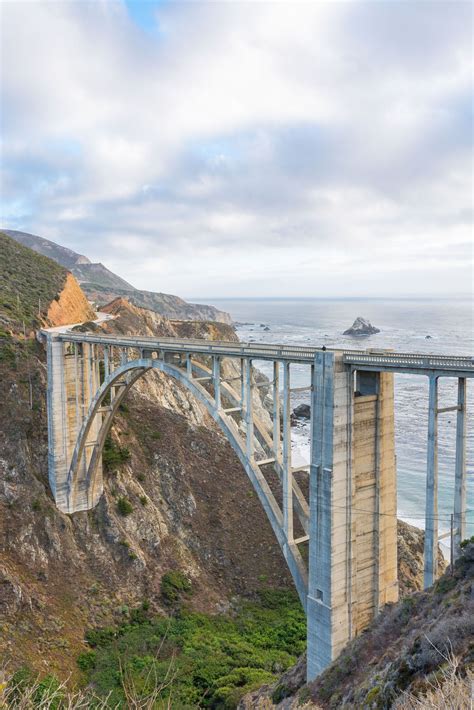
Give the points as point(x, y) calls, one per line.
point(73, 380)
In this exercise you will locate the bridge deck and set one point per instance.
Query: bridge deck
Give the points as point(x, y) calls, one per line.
point(448, 365)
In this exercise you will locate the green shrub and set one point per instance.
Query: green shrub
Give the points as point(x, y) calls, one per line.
point(466, 542)
point(174, 584)
point(143, 500)
point(124, 506)
point(100, 637)
point(213, 660)
point(445, 584)
point(113, 455)
point(86, 660)
point(280, 693)
point(236, 684)
point(45, 692)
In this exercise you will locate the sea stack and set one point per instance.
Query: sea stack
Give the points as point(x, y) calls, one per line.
point(361, 326)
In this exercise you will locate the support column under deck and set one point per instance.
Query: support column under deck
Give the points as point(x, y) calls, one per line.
point(286, 468)
point(460, 470)
point(73, 378)
point(431, 511)
point(320, 621)
point(216, 376)
point(276, 412)
point(249, 410)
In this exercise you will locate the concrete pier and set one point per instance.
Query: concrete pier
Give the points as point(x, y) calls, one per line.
point(353, 525)
point(73, 379)
point(460, 471)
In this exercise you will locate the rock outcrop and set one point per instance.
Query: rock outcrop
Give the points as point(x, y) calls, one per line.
point(361, 326)
point(302, 411)
point(71, 305)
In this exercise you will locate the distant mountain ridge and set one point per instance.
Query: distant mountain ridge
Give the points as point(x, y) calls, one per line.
point(101, 285)
point(64, 256)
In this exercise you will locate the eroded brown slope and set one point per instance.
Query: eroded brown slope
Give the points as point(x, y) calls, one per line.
point(71, 306)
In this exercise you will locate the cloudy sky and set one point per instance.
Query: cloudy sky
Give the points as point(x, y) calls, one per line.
point(245, 148)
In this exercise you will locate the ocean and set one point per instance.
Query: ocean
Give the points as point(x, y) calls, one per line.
point(404, 325)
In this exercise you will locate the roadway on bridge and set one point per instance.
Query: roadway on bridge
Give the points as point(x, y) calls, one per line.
point(440, 365)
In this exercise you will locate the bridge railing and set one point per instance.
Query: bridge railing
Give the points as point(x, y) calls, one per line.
point(464, 365)
point(417, 360)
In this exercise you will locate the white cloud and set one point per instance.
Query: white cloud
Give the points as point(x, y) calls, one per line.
point(250, 142)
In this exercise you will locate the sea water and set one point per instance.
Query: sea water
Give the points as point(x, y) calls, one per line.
point(404, 327)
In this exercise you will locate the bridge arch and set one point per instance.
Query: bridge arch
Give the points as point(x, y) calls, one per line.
point(127, 375)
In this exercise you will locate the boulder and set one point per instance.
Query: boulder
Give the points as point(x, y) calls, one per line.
point(361, 326)
point(302, 411)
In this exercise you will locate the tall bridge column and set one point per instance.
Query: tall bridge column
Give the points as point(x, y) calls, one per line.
point(431, 514)
point(460, 470)
point(353, 526)
point(73, 378)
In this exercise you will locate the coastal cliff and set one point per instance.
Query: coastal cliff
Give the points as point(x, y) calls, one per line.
point(36, 292)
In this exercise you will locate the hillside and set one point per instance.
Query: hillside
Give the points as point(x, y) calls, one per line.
point(35, 291)
point(101, 285)
point(420, 647)
point(62, 255)
point(92, 276)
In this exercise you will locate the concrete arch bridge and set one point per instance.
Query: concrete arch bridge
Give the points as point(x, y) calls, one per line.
point(344, 565)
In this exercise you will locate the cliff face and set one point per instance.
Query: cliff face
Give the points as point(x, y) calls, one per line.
point(71, 305)
point(164, 303)
point(410, 554)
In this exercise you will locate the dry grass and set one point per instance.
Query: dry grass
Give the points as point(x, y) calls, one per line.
point(448, 691)
point(35, 696)
point(38, 695)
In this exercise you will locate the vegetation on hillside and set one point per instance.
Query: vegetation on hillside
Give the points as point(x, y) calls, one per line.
point(189, 659)
point(28, 284)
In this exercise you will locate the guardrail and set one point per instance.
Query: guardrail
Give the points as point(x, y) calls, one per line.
point(268, 351)
point(410, 360)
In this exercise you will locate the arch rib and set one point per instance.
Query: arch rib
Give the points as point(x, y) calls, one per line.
point(135, 369)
